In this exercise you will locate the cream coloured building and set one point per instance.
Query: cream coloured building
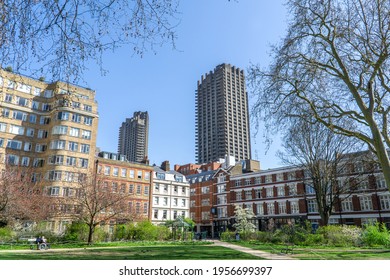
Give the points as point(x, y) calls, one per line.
point(50, 127)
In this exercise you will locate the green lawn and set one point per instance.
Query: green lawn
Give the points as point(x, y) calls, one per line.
point(322, 252)
point(173, 252)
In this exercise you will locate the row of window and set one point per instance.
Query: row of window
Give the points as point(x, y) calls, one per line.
point(163, 188)
point(22, 87)
point(267, 179)
point(163, 214)
point(124, 188)
point(39, 148)
point(164, 201)
point(124, 172)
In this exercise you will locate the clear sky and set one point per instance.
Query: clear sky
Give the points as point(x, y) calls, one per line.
point(211, 32)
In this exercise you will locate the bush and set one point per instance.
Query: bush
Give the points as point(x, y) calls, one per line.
point(142, 231)
point(228, 236)
point(6, 234)
point(343, 235)
point(376, 234)
point(76, 232)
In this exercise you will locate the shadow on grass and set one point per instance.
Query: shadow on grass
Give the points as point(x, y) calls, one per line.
point(133, 253)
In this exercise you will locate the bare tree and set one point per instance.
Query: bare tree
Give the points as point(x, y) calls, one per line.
point(21, 197)
point(324, 156)
point(59, 37)
point(95, 203)
point(334, 61)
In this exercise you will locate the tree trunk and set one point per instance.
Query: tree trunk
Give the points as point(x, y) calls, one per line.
point(90, 234)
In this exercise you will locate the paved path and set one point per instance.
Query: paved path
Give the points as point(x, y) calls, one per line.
point(257, 253)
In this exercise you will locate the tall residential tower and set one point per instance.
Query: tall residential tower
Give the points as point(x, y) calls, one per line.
point(133, 137)
point(222, 118)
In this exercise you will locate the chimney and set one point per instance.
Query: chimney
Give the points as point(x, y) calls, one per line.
point(165, 165)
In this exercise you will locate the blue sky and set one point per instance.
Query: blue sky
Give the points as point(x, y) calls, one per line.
point(210, 33)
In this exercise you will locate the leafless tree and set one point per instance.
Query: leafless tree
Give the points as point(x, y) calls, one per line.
point(335, 62)
point(21, 198)
point(96, 203)
point(57, 38)
point(324, 156)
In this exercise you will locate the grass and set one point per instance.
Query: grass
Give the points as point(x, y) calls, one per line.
point(148, 252)
point(322, 252)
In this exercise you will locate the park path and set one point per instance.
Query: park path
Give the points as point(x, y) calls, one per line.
point(257, 253)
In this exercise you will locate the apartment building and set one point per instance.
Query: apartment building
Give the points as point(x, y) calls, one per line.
point(170, 195)
point(132, 180)
point(222, 118)
point(50, 127)
point(285, 195)
point(133, 137)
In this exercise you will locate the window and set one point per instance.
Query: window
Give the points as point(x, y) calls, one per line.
point(139, 189)
point(155, 214)
point(17, 115)
point(16, 129)
point(147, 176)
point(107, 170)
point(179, 178)
point(269, 192)
point(37, 91)
point(76, 118)
point(30, 132)
point(56, 160)
point(294, 207)
point(48, 93)
point(5, 112)
point(57, 145)
point(281, 191)
point(54, 175)
point(21, 101)
point(8, 98)
point(146, 190)
point(139, 174)
point(175, 189)
point(42, 133)
point(87, 108)
point(174, 214)
point(205, 215)
point(248, 194)
point(86, 134)
point(221, 199)
point(115, 171)
point(32, 118)
point(3, 127)
point(12, 159)
point(160, 176)
point(131, 188)
point(346, 205)
point(71, 161)
point(114, 187)
point(270, 208)
point(75, 132)
point(238, 195)
point(165, 212)
point(268, 178)
point(73, 146)
point(35, 105)
point(205, 190)
point(146, 206)
point(123, 172)
point(54, 191)
point(84, 148)
point(380, 182)
point(292, 190)
point(222, 212)
point(59, 129)
point(309, 189)
point(83, 163)
point(156, 200)
point(258, 180)
point(14, 144)
point(260, 209)
point(237, 183)
point(312, 206)
point(44, 120)
point(38, 162)
point(87, 120)
point(205, 202)
point(365, 203)
point(131, 175)
point(66, 191)
point(63, 116)
point(385, 202)
point(279, 177)
point(282, 207)
point(1, 142)
point(165, 201)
